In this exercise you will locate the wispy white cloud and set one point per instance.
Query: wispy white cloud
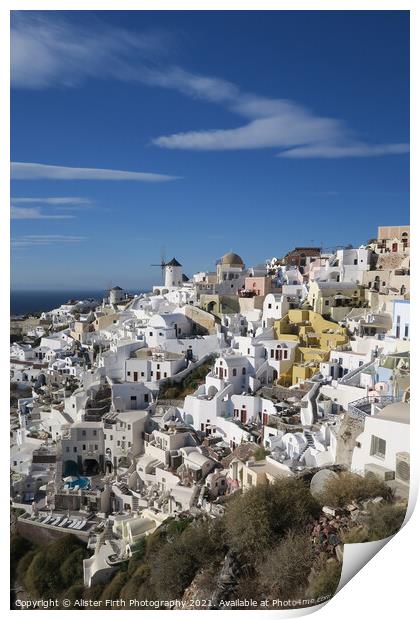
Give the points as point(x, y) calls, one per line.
point(33, 171)
point(42, 240)
point(34, 213)
point(51, 200)
point(281, 124)
point(356, 149)
point(48, 51)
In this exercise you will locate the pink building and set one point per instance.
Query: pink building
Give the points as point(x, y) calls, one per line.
point(260, 285)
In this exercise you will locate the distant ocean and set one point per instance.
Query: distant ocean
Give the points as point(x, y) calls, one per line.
point(24, 302)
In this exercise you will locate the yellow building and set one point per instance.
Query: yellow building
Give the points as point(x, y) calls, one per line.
point(316, 337)
point(105, 318)
point(253, 473)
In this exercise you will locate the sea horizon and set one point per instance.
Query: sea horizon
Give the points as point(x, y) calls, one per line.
point(26, 301)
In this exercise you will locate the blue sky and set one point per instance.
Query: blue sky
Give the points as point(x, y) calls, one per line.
point(200, 133)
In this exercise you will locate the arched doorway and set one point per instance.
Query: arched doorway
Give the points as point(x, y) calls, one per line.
point(90, 467)
point(211, 306)
point(70, 469)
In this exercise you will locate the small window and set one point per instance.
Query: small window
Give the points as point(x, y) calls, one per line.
point(244, 371)
point(234, 372)
point(378, 447)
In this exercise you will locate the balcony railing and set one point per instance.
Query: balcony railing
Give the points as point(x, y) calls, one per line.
point(363, 406)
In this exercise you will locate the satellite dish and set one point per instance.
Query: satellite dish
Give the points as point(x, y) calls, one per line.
point(381, 387)
point(320, 479)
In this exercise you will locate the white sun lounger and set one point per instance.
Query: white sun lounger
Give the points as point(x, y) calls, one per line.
point(81, 525)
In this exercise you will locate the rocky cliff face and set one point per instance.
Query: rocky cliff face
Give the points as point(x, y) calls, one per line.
point(212, 585)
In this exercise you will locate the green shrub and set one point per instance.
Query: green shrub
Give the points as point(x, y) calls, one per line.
point(44, 577)
point(75, 592)
point(382, 521)
point(19, 547)
point(385, 520)
point(93, 593)
point(259, 518)
point(325, 577)
point(284, 573)
point(72, 568)
point(23, 565)
point(138, 554)
point(350, 487)
point(175, 565)
point(132, 587)
point(112, 590)
point(171, 393)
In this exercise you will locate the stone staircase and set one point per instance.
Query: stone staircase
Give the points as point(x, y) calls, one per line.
point(309, 439)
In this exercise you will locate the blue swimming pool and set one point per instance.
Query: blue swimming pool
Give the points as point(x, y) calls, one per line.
point(81, 481)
